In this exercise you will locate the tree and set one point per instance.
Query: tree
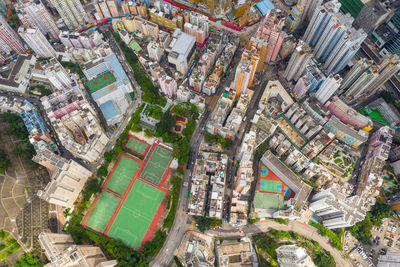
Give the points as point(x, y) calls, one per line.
point(4, 161)
point(204, 223)
point(28, 260)
point(102, 171)
point(181, 150)
point(165, 124)
point(324, 260)
point(107, 156)
point(362, 230)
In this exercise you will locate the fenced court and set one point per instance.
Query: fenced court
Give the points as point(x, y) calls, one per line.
point(137, 146)
point(136, 214)
point(102, 211)
point(156, 165)
point(122, 173)
point(270, 186)
point(101, 81)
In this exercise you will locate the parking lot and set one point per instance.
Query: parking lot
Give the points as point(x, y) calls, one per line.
point(383, 238)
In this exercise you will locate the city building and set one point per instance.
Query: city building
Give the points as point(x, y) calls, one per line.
point(198, 26)
point(106, 9)
point(33, 14)
point(298, 62)
point(328, 88)
point(236, 252)
point(137, 8)
point(372, 79)
point(373, 14)
point(197, 249)
point(61, 250)
point(243, 76)
point(293, 256)
point(388, 111)
point(354, 73)
point(155, 50)
point(166, 20)
point(37, 41)
point(275, 99)
point(17, 77)
point(71, 12)
point(81, 40)
point(209, 174)
point(9, 40)
point(394, 154)
point(141, 26)
point(112, 97)
point(294, 19)
point(302, 86)
point(390, 259)
point(3, 8)
point(76, 124)
point(334, 40)
point(168, 85)
point(287, 204)
point(52, 72)
point(182, 49)
point(348, 115)
point(387, 36)
point(336, 210)
point(67, 179)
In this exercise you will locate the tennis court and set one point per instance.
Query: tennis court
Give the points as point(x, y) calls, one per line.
point(270, 186)
point(136, 214)
point(101, 81)
point(157, 165)
point(102, 211)
point(136, 146)
point(122, 174)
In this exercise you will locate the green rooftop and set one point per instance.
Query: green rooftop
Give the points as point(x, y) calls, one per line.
point(101, 81)
point(134, 46)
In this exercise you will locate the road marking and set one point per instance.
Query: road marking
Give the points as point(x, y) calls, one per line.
point(192, 226)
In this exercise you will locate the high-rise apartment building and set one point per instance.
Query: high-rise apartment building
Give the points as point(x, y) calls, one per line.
point(371, 80)
point(67, 181)
point(302, 86)
point(271, 31)
point(9, 40)
point(293, 256)
point(34, 14)
point(328, 88)
point(71, 12)
point(37, 41)
point(81, 40)
point(298, 62)
point(242, 77)
point(361, 66)
point(253, 56)
point(155, 51)
point(61, 251)
point(107, 9)
point(332, 37)
point(3, 8)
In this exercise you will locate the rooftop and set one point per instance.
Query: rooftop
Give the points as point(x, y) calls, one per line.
point(101, 81)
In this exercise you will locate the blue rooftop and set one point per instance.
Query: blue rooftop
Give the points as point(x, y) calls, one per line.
point(109, 110)
point(265, 6)
point(116, 66)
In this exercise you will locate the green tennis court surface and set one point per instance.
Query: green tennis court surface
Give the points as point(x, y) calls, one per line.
point(102, 212)
point(268, 201)
point(136, 214)
point(101, 81)
point(156, 165)
point(122, 175)
point(270, 186)
point(264, 171)
point(136, 146)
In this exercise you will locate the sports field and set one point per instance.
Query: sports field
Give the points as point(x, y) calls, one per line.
point(156, 165)
point(270, 183)
point(136, 146)
point(136, 214)
point(270, 186)
point(122, 174)
point(102, 211)
point(101, 81)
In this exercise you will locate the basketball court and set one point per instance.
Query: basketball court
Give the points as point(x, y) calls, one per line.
point(157, 165)
point(270, 183)
point(122, 173)
point(137, 146)
point(136, 214)
point(102, 211)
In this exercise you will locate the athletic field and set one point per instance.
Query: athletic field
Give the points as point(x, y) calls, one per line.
point(270, 186)
point(270, 183)
point(101, 81)
point(102, 211)
point(157, 165)
point(136, 146)
point(136, 214)
point(122, 174)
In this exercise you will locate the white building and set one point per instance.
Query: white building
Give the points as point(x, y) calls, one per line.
point(391, 259)
point(182, 49)
point(328, 88)
point(168, 85)
point(293, 256)
point(155, 50)
point(34, 14)
point(67, 180)
point(71, 12)
point(37, 41)
point(17, 80)
point(81, 40)
point(61, 251)
point(53, 72)
point(298, 61)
